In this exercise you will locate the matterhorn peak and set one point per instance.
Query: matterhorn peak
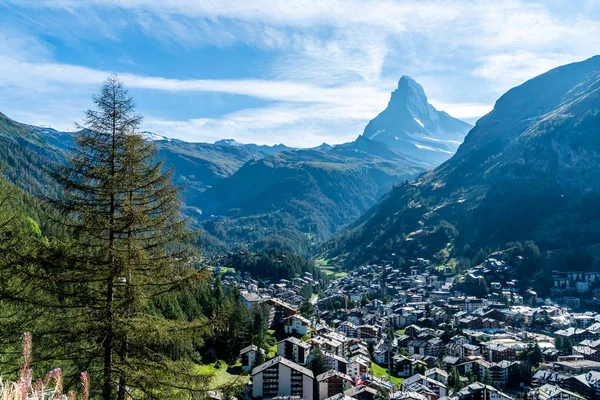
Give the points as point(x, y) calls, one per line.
point(412, 126)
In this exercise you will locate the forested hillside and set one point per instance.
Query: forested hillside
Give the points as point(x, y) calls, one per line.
point(297, 199)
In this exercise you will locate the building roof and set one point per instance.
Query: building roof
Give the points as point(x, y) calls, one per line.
point(478, 386)
point(248, 348)
point(355, 391)
point(577, 364)
point(284, 361)
point(551, 392)
point(417, 378)
point(296, 341)
point(340, 396)
point(332, 373)
point(436, 371)
point(408, 396)
point(335, 357)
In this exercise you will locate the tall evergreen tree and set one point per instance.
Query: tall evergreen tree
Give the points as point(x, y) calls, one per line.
point(131, 247)
point(318, 361)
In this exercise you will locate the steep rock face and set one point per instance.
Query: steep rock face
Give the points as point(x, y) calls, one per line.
point(530, 169)
point(414, 127)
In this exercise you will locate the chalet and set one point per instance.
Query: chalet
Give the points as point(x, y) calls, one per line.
point(587, 385)
point(477, 391)
point(497, 352)
point(358, 365)
point(336, 362)
point(552, 392)
point(402, 366)
point(361, 393)
point(326, 344)
point(381, 354)
point(437, 374)
point(500, 371)
point(280, 310)
point(414, 382)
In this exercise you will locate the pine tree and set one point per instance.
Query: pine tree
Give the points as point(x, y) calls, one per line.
point(318, 362)
point(130, 247)
point(454, 380)
point(259, 359)
point(487, 378)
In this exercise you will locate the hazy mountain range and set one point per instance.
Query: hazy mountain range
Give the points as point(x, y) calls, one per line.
point(271, 195)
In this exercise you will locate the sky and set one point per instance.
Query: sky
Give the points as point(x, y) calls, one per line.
point(298, 72)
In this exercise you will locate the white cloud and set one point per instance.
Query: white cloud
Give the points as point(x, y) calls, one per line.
point(298, 126)
point(38, 76)
point(463, 110)
point(339, 58)
point(514, 68)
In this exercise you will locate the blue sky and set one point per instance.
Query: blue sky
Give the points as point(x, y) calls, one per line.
point(294, 72)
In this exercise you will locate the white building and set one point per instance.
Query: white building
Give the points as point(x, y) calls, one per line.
point(297, 324)
point(281, 377)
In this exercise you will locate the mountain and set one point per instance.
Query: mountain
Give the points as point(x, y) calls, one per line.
point(412, 126)
point(266, 192)
point(270, 195)
point(199, 166)
point(27, 150)
point(528, 170)
point(297, 198)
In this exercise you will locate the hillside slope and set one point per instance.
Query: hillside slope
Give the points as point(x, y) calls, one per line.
point(27, 151)
point(305, 195)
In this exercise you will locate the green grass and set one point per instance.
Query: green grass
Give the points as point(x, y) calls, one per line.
point(380, 372)
point(328, 269)
point(401, 331)
point(272, 350)
point(224, 374)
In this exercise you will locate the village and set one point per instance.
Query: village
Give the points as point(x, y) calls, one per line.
point(421, 334)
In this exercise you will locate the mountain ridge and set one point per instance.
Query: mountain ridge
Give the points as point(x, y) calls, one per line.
point(527, 168)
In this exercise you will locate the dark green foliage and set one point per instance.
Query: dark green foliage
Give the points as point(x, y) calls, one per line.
point(26, 153)
point(259, 359)
point(420, 369)
point(454, 380)
point(306, 292)
point(272, 264)
point(487, 378)
point(306, 309)
point(564, 344)
point(126, 248)
point(318, 361)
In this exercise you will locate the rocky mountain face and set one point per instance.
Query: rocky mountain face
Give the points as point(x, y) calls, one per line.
point(412, 126)
point(530, 169)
